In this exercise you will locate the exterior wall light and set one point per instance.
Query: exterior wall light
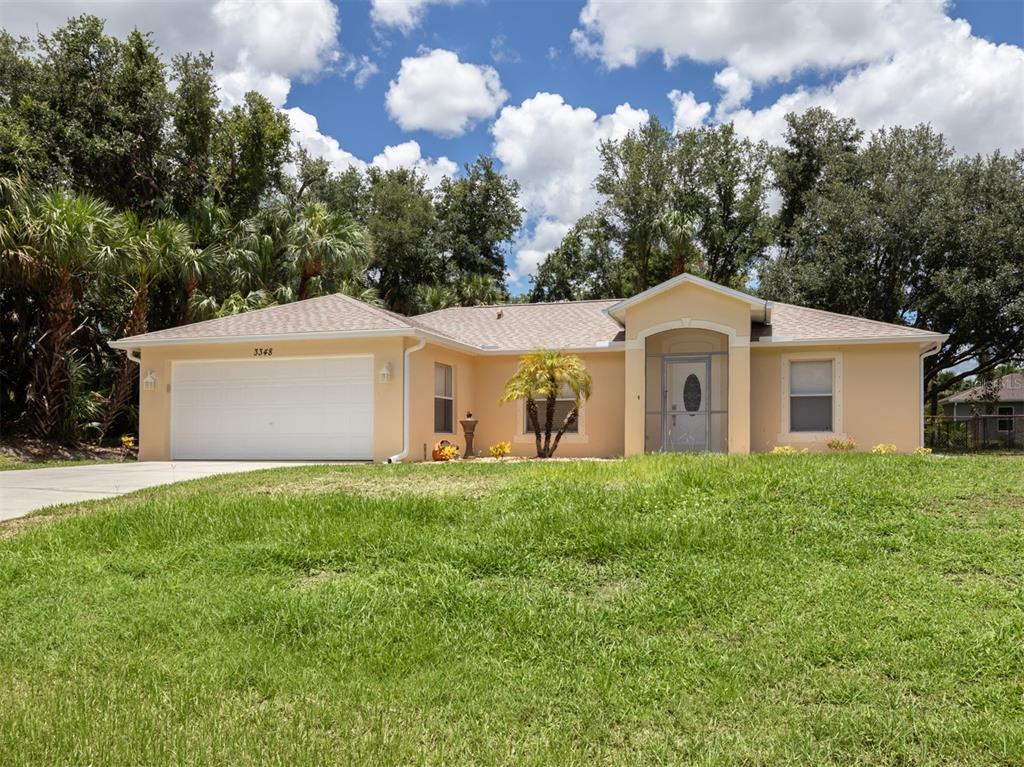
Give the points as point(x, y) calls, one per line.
point(385, 373)
point(149, 382)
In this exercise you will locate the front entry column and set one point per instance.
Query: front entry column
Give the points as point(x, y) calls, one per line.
point(635, 419)
point(739, 396)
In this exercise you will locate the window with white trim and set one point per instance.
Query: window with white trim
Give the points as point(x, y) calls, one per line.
point(563, 406)
point(810, 396)
point(444, 399)
point(1005, 424)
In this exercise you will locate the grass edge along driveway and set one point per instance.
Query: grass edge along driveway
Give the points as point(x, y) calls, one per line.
point(711, 610)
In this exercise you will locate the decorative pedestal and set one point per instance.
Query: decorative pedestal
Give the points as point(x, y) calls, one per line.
point(469, 429)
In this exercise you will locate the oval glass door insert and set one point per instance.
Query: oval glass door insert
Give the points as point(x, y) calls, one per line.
point(691, 393)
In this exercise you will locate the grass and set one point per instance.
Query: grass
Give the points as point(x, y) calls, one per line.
point(13, 463)
point(664, 610)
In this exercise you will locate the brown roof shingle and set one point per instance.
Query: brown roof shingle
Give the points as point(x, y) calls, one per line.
point(520, 327)
point(800, 323)
point(1010, 389)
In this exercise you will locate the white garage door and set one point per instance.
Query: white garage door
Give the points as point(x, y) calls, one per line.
point(311, 408)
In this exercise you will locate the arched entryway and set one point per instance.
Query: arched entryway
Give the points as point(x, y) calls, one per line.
point(687, 391)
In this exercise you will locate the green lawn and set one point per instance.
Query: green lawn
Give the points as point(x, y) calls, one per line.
point(770, 610)
point(10, 463)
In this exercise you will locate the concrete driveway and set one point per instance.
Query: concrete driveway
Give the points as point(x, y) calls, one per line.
point(23, 491)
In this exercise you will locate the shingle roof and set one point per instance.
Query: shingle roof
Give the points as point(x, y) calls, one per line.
point(519, 327)
point(1010, 389)
point(325, 314)
point(799, 323)
point(504, 328)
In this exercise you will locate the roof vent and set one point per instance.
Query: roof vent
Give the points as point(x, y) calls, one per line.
point(501, 313)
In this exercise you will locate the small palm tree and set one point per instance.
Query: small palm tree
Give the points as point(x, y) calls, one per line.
point(545, 375)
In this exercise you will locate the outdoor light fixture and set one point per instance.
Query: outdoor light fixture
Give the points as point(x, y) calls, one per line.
point(149, 382)
point(385, 373)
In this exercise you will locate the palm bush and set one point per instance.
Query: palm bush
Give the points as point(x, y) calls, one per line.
point(546, 376)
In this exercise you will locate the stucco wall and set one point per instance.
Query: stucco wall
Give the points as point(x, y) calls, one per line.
point(602, 418)
point(154, 404)
point(880, 397)
point(421, 396)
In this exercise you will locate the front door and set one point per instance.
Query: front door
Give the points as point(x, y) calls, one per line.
point(687, 401)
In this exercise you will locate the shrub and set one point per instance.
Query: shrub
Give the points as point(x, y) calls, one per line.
point(501, 449)
point(841, 445)
point(127, 442)
point(787, 450)
point(883, 449)
point(448, 452)
point(922, 451)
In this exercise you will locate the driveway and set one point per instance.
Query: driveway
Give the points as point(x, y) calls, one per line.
point(23, 491)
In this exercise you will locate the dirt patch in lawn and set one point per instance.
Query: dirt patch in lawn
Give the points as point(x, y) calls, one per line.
point(375, 483)
point(28, 450)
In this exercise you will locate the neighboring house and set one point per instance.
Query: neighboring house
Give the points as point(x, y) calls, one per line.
point(1004, 398)
point(687, 365)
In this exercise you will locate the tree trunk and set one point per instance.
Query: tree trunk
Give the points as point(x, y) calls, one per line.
point(531, 412)
point(549, 421)
point(569, 421)
point(49, 400)
point(124, 380)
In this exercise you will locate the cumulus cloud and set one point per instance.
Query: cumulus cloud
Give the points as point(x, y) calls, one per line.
point(404, 15)
point(436, 92)
point(257, 44)
point(408, 155)
point(551, 149)
point(306, 133)
point(687, 112)
point(898, 63)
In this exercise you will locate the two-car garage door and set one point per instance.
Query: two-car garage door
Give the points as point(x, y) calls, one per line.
point(276, 409)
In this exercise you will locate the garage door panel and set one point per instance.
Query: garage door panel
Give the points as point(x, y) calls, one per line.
point(317, 408)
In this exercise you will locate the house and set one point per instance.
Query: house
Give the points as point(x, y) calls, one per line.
point(1004, 399)
point(687, 365)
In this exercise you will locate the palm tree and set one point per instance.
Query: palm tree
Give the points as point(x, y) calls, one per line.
point(548, 375)
point(56, 241)
point(319, 241)
point(479, 289)
point(149, 251)
point(677, 232)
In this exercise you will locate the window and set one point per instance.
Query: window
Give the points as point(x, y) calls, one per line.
point(1005, 424)
point(444, 400)
point(810, 395)
point(563, 406)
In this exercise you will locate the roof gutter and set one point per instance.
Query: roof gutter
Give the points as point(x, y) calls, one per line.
point(406, 393)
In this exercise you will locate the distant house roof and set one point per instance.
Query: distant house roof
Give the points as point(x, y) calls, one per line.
point(508, 328)
point(1009, 388)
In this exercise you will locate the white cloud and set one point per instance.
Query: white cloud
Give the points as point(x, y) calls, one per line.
point(436, 92)
point(551, 149)
point(306, 133)
point(260, 44)
point(769, 41)
point(687, 112)
point(362, 68)
point(898, 62)
point(409, 155)
point(405, 15)
point(531, 250)
point(966, 87)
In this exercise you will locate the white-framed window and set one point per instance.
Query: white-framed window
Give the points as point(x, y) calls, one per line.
point(1005, 421)
point(444, 399)
point(811, 396)
point(563, 406)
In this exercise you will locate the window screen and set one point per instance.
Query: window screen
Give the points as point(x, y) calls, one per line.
point(444, 401)
point(810, 396)
point(563, 405)
point(1005, 424)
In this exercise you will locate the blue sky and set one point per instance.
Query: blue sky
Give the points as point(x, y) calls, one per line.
point(434, 83)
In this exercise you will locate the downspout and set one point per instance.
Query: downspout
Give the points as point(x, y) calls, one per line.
point(920, 367)
point(132, 354)
point(406, 391)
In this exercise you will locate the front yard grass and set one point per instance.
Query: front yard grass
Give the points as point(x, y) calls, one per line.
point(768, 610)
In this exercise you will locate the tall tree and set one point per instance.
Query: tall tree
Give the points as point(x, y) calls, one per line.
point(403, 227)
point(478, 214)
point(250, 147)
point(636, 179)
point(583, 266)
point(194, 119)
point(721, 192)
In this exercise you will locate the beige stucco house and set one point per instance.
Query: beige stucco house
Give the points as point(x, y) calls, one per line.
point(687, 365)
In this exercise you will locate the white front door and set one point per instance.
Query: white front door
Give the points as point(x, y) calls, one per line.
point(687, 404)
point(278, 409)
